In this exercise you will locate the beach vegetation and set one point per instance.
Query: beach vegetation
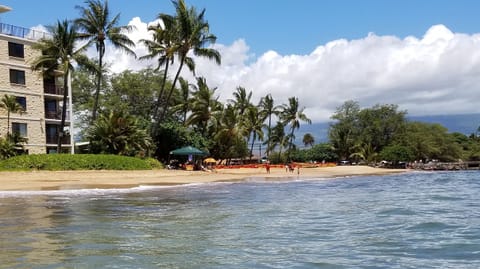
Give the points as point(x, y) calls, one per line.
point(268, 109)
point(117, 132)
point(192, 35)
point(291, 115)
point(59, 162)
point(96, 27)
point(308, 140)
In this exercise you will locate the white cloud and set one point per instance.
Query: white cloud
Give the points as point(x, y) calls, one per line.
point(438, 73)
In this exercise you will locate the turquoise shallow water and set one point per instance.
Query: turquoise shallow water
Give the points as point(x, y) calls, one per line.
point(414, 220)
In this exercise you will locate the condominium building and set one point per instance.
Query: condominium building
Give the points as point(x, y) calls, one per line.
point(40, 96)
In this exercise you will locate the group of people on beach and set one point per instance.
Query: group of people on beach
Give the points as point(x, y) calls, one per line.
point(289, 167)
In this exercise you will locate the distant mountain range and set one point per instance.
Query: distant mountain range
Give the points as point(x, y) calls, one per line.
point(465, 124)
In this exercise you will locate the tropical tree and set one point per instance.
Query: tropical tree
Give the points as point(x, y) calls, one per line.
point(119, 133)
point(229, 142)
point(242, 100)
point(184, 101)
point(252, 125)
point(291, 115)
point(162, 46)
point(10, 104)
point(204, 106)
point(59, 53)
point(278, 138)
point(308, 140)
point(97, 27)
point(344, 133)
point(267, 110)
point(193, 34)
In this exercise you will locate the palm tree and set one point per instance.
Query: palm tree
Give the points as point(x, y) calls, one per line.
point(308, 140)
point(253, 125)
point(96, 27)
point(204, 105)
point(163, 47)
point(278, 138)
point(228, 136)
point(268, 109)
point(184, 102)
point(10, 104)
point(118, 132)
point(242, 100)
point(59, 53)
point(193, 35)
point(292, 115)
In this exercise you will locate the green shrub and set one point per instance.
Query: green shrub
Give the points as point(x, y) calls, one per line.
point(78, 162)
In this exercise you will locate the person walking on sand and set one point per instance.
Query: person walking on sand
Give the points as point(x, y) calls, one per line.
point(267, 167)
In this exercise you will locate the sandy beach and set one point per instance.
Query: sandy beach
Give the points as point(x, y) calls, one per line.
point(89, 179)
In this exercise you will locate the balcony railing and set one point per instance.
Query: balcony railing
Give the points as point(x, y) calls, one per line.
point(51, 88)
point(22, 32)
point(53, 139)
point(56, 115)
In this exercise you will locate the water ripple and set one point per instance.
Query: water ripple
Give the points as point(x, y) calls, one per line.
point(414, 220)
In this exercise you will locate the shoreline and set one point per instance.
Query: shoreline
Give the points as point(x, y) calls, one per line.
point(107, 179)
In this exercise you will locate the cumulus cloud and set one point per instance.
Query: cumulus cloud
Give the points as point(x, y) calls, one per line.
point(436, 74)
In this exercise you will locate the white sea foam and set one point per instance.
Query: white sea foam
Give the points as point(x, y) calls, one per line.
point(83, 192)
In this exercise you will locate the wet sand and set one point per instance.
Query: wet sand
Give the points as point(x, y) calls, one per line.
point(91, 179)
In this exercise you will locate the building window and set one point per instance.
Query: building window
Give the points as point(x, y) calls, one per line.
point(17, 76)
point(15, 50)
point(22, 101)
point(19, 128)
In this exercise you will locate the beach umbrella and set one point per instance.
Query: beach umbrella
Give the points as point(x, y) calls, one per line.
point(210, 160)
point(189, 150)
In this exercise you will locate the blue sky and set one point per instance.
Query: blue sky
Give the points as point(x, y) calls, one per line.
point(286, 26)
point(422, 55)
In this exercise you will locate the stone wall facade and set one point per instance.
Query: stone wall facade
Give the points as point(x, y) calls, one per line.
point(32, 90)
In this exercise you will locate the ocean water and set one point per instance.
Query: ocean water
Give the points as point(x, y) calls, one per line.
point(412, 220)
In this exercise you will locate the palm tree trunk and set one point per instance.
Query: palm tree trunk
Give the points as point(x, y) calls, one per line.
point(251, 147)
point(64, 111)
point(8, 122)
point(99, 82)
point(160, 94)
point(269, 134)
point(290, 144)
point(177, 75)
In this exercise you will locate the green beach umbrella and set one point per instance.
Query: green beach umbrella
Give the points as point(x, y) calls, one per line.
point(189, 150)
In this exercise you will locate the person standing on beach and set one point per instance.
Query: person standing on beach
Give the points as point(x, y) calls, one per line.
point(267, 167)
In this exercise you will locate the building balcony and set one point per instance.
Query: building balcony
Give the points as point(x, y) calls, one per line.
point(22, 32)
point(50, 88)
point(56, 115)
point(53, 139)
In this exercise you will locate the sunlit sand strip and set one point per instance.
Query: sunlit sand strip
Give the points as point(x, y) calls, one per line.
point(74, 180)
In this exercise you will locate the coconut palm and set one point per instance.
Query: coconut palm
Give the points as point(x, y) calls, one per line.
point(97, 27)
point(10, 104)
point(253, 125)
point(59, 53)
point(162, 46)
point(308, 140)
point(242, 100)
point(192, 35)
point(268, 109)
point(228, 137)
point(204, 105)
point(278, 138)
point(291, 115)
point(184, 101)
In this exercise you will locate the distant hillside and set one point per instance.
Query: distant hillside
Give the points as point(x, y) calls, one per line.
point(465, 124)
